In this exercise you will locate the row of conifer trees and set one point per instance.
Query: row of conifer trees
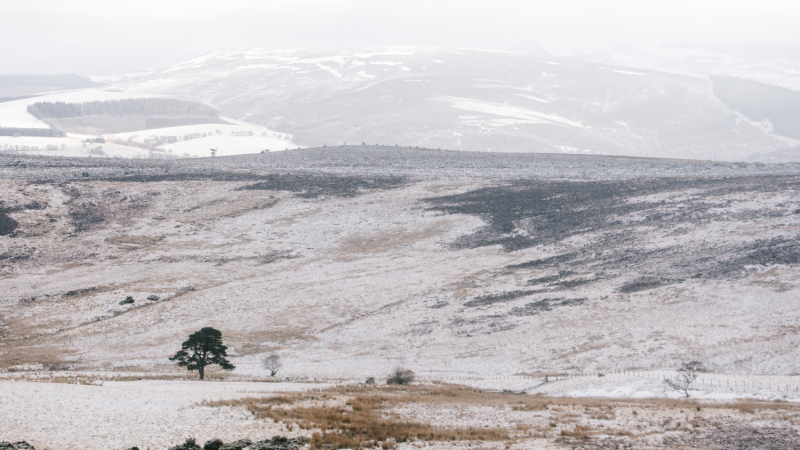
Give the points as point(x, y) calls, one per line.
point(133, 107)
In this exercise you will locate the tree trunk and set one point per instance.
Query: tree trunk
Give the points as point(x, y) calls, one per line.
point(201, 369)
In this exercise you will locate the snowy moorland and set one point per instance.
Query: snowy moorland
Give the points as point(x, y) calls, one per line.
point(352, 260)
point(488, 270)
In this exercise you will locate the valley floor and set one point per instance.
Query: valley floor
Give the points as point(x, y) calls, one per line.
point(158, 413)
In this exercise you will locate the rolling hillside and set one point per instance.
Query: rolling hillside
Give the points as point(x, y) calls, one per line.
point(465, 99)
point(349, 261)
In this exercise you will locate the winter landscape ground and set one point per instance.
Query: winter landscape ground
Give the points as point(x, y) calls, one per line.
point(540, 298)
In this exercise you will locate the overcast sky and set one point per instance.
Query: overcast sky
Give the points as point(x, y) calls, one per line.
point(103, 37)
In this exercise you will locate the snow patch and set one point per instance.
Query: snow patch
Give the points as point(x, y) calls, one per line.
point(523, 115)
point(533, 98)
point(623, 71)
point(331, 70)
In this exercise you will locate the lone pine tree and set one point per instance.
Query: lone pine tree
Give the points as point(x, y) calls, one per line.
point(203, 348)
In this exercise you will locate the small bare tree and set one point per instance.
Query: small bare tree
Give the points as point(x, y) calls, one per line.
point(401, 376)
point(687, 374)
point(272, 363)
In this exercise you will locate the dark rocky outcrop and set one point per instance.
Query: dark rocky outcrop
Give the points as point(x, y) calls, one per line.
point(20, 445)
point(276, 443)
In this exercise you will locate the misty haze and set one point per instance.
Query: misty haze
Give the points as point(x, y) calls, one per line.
point(399, 225)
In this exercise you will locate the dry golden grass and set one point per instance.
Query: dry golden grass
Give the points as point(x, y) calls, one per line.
point(361, 417)
point(363, 420)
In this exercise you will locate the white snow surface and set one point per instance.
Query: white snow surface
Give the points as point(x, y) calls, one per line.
point(148, 414)
point(514, 114)
point(226, 138)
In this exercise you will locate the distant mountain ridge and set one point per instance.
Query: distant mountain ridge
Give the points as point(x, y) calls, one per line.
point(759, 102)
point(465, 99)
point(22, 85)
point(771, 63)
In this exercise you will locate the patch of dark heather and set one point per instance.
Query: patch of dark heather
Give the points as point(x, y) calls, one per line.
point(90, 208)
point(317, 185)
point(738, 437)
point(79, 291)
point(488, 300)
point(529, 213)
point(642, 284)
point(546, 304)
point(553, 260)
point(7, 224)
point(775, 251)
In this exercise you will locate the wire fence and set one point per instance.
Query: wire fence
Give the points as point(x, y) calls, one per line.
point(714, 382)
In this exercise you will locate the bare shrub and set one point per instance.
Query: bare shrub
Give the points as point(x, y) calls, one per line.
point(401, 376)
point(687, 374)
point(272, 363)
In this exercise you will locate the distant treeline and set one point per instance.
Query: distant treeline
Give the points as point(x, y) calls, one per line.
point(759, 101)
point(11, 99)
point(40, 132)
point(134, 107)
point(70, 81)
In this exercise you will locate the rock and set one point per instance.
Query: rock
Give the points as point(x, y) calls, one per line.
point(128, 300)
point(214, 444)
point(278, 443)
point(21, 445)
point(238, 445)
point(189, 444)
point(153, 298)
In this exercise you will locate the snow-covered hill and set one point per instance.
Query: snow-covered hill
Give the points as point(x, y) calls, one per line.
point(349, 261)
point(465, 99)
point(776, 64)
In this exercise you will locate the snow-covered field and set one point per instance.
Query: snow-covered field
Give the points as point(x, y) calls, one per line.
point(157, 414)
point(234, 138)
point(14, 114)
point(149, 414)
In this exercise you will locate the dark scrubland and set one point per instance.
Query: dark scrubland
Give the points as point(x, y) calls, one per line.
point(528, 213)
point(416, 163)
point(313, 186)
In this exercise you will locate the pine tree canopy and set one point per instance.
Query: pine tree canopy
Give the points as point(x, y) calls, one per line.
point(203, 348)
